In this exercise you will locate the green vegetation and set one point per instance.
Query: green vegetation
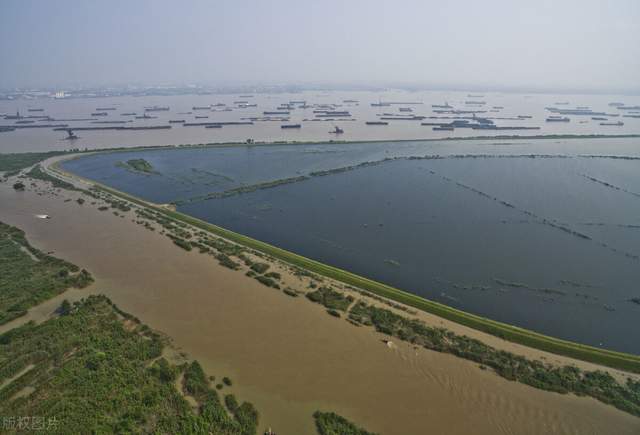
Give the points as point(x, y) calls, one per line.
point(290, 292)
point(65, 308)
point(330, 423)
point(137, 165)
point(179, 232)
point(306, 267)
point(119, 205)
point(352, 167)
point(276, 183)
point(37, 173)
point(260, 267)
point(224, 260)
point(182, 243)
point(275, 275)
point(269, 282)
point(14, 162)
point(195, 381)
point(269, 279)
point(331, 299)
point(242, 189)
point(231, 402)
point(568, 379)
point(333, 312)
point(94, 370)
point(177, 228)
point(225, 247)
point(115, 204)
point(29, 276)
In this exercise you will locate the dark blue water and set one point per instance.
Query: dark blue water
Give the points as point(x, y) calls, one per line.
point(492, 236)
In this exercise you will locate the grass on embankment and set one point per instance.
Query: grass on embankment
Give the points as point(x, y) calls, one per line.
point(38, 174)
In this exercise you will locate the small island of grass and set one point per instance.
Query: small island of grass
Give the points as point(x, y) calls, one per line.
point(137, 165)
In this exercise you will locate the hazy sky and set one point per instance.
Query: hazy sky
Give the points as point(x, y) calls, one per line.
point(562, 44)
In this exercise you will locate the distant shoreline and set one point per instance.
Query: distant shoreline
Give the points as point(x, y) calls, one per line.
point(331, 142)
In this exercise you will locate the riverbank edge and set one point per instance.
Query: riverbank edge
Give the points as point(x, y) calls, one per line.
point(350, 142)
point(609, 358)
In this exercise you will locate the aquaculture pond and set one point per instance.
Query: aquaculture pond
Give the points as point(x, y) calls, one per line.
point(543, 234)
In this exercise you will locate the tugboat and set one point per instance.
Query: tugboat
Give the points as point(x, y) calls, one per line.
point(70, 134)
point(337, 130)
point(145, 115)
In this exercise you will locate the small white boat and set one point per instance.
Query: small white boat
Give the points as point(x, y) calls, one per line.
point(43, 216)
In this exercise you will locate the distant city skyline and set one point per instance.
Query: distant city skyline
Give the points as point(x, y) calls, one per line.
point(579, 46)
